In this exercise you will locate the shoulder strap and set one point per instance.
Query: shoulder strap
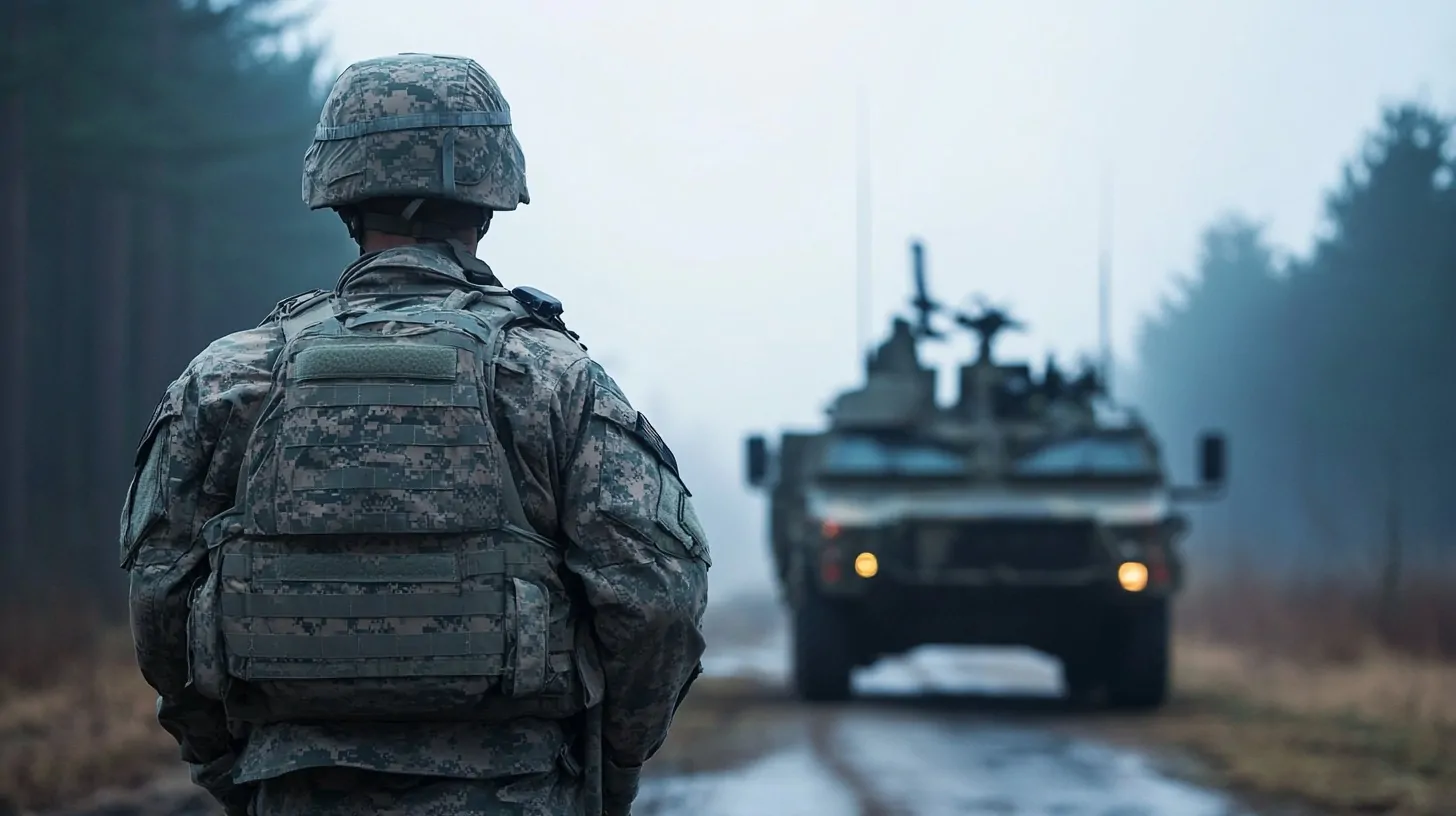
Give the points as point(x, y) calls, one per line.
point(311, 315)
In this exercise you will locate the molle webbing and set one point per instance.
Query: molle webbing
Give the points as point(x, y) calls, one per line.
point(403, 395)
point(414, 568)
point(367, 646)
point(444, 593)
point(419, 605)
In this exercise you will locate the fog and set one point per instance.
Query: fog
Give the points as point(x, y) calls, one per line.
point(693, 172)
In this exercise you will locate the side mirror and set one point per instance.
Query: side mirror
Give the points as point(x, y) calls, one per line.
point(757, 451)
point(1212, 459)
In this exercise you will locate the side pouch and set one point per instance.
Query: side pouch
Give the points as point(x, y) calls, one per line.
point(206, 661)
point(531, 608)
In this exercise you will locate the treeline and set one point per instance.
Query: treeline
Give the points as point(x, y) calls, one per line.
point(1332, 373)
point(150, 153)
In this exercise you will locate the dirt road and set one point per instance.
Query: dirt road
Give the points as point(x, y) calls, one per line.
point(940, 733)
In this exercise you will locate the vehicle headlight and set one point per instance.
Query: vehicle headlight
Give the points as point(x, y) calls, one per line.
point(866, 565)
point(1133, 576)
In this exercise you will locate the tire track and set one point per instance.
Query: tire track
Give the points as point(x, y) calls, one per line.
point(829, 751)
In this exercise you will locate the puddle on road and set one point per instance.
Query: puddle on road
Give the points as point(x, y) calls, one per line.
point(941, 768)
point(886, 753)
point(786, 784)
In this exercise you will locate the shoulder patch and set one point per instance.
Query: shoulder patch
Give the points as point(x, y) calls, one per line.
point(648, 434)
point(612, 407)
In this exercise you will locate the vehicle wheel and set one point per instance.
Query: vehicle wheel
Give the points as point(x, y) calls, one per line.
point(822, 657)
point(1141, 665)
point(1084, 676)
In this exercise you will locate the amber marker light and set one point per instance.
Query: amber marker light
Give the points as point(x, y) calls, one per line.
point(866, 565)
point(1132, 575)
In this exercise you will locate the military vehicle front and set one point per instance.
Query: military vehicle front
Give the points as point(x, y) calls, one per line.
point(1027, 513)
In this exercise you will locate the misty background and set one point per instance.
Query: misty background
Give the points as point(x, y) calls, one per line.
point(1283, 242)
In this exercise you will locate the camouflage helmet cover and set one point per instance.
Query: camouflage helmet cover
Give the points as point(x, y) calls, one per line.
point(415, 125)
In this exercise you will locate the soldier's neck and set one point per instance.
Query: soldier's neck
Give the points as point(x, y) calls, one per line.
point(380, 241)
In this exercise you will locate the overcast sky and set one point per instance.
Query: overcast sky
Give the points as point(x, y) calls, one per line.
point(692, 168)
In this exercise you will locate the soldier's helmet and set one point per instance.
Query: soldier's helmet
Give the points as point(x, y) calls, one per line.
point(416, 126)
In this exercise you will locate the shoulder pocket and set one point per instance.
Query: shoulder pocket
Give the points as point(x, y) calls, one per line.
point(145, 504)
point(640, 486)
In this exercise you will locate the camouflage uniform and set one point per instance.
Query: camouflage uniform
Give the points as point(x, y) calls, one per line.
point(593, 479)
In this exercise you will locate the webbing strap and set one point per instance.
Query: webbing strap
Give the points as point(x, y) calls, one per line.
point(496, 321)
point(412, 435)
point(413, 121)
point(362, 647)
point(254, 669)
point(412, 316)
point(404, 395)
point(380, 605)
point(382, 477)
point(423, 568)
point(294, 324)
point(331, 338)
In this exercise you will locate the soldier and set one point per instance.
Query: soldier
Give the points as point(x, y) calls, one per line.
point(404, 547)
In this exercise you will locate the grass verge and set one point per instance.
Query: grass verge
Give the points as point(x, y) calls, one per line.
point(1374, 738)
point(88, 725)
point(1316, 694)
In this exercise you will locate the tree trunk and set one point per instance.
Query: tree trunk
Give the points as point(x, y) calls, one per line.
point(14, 251)
point(73, 415)
point(158, 312)
point(1393, 557)
point(111, 338)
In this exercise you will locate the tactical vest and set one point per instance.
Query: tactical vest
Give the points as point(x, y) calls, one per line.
point(378, 564)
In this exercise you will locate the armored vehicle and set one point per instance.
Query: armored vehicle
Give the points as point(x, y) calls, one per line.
point(1030, 512)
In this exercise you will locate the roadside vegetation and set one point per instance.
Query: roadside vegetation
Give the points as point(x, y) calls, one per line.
point(1298, 692)
point(1317, 652)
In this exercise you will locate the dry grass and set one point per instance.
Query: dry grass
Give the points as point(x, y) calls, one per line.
point(1330, 621)
point(724, 723)
point(1303, 693)
point(75, 715)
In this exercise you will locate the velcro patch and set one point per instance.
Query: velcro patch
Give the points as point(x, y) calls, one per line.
point(649, 435)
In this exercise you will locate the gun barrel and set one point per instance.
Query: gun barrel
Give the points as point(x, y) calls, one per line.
point(917, 264)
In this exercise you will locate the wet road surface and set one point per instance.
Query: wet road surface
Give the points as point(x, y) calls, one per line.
point(920, 740)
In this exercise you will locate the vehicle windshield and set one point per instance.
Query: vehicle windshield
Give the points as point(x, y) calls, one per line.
point(1112, 456)
point(870, 457)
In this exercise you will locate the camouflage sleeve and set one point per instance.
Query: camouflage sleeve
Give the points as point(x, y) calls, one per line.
point(186, 472)
point(642, 556)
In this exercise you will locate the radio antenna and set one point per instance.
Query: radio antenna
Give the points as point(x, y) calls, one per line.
point(863, 205)
point(1104, 287)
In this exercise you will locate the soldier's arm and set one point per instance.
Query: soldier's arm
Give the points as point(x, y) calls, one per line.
point(643, 558)
point(185, 473)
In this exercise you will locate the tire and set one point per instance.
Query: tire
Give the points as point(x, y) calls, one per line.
point(823, 661)
point(1141, 664)
point(1083, 676)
